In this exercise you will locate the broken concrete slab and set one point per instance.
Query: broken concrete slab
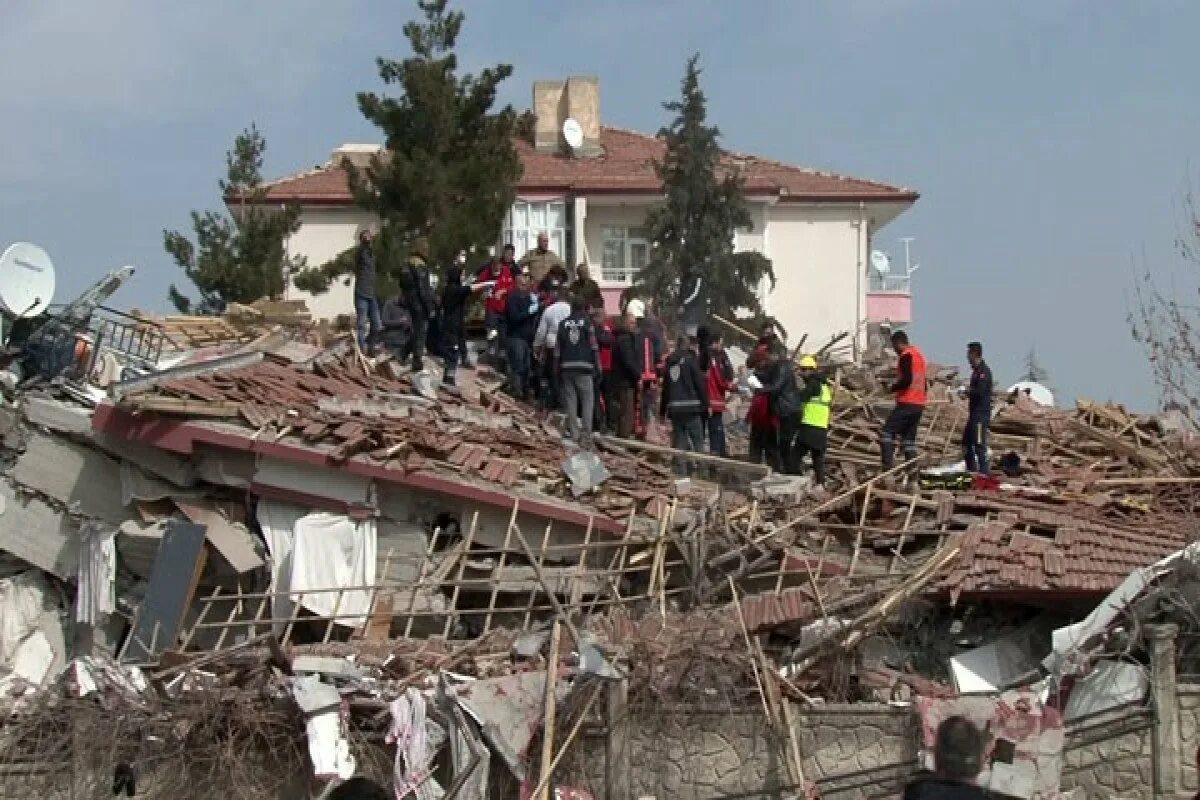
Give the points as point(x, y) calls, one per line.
point(38, 534)
point(157, 462)
point(74, 475)
point(56, 415)
point(332, 667)
point(232, 541)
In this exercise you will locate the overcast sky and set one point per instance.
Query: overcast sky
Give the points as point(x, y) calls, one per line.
point(1051, 141)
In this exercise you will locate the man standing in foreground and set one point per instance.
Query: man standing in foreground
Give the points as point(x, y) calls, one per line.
point(684, 401)
point(910, 392)
point(521, 320)
point(578, 364)
point(958, 760)
point(979, 411)
point(366, 305)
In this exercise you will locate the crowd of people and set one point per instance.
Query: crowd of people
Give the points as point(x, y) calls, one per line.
point(559, 348)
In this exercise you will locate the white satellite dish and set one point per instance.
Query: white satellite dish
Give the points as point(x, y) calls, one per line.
point(1034, 391)
point(880, 262)
point(26, 280)
point(573, 132)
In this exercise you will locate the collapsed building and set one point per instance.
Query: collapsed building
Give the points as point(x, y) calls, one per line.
point(240, 559)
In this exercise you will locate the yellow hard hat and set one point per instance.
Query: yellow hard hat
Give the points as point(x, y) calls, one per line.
point(808, 362)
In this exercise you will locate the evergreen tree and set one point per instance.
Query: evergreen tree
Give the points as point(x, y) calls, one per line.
point(238, 256)
point(1034, 371)
point(704, 206)
point(449, 167)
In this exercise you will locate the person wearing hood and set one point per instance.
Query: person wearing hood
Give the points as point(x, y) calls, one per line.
point(587, 289)
point(366, 304)
point(417, 288)
point(958, 760)
point(779, 385)
point(454, 312)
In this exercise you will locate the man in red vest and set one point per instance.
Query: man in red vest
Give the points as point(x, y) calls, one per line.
point(909, 388)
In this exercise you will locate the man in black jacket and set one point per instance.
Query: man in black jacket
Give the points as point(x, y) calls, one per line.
point(577, 361)
point(366, 304)
point(521, 320)
point(779, 384)
point(684, 401)
point(453, 319)
point(626, 374)
point(979, 411)
point(958, 760)
point(418, 296)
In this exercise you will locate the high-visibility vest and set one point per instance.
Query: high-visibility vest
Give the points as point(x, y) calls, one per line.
point(915, 393)
point(816, 411)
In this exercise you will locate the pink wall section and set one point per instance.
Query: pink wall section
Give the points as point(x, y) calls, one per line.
point(889, 307)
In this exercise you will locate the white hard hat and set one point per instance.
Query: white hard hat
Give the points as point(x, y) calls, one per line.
point(636, 307)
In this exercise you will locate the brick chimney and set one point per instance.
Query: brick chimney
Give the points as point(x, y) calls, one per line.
point(578, 98)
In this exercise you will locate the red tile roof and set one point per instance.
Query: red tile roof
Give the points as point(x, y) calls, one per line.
point(626, 167)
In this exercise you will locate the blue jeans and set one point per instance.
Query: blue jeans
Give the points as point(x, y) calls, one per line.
point(716, 434)
point(975, 442)
point(370, 323)
point(518, 365)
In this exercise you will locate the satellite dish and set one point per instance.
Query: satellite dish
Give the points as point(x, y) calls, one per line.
point(880, 262)
point(1034, 391)
point(26, 280)
point(573, 133)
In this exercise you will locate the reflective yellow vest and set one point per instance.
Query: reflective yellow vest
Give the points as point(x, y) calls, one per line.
point(816, 411)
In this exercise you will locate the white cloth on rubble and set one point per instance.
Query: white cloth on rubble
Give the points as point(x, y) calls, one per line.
point(313, 550)
point(411, 773)
point(96, 597)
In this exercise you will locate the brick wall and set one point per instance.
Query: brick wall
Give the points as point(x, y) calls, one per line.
point(1189, 735)
point(1110, 755)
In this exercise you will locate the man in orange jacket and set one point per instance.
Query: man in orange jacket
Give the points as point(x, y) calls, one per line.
point(910, 391)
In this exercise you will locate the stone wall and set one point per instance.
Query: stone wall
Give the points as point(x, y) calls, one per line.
point(1110, 755)
point(1189, 735)
point(855, 751)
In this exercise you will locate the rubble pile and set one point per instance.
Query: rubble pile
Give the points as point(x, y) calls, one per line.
point(265, 534)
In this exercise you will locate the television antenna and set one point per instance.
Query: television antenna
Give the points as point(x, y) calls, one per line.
point(909, 267)
point(573, 132)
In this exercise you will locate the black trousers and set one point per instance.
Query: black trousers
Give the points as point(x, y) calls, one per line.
point(420, 330)
point(789, 428)
point(812, 441)
point(764, 445)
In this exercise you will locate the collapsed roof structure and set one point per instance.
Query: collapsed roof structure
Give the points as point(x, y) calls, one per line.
point(328, 543)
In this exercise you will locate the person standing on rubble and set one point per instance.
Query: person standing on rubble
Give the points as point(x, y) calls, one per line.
point(606, 413)
point(576, 355)
point(910, 391)
point(500, 277)
point(369, 322)
point(626, 374)
point(719, 380)
point(454, 313)
point(816, 407)
point(418, 296)
point(684, 402)
point(583, 286)
point(958, 760)
point(764, 426)
point(544, 342)
point(979, 411)
point(521, 321)
point(778, 383)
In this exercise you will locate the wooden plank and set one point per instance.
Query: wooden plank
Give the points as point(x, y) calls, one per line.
point(551, 708)
point(177, 567)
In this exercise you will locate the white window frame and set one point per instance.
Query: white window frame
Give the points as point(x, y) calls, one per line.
point(521, 230)
point(624, 238)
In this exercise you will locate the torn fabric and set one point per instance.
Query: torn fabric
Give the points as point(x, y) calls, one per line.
point(97, 574)
point(412, 773)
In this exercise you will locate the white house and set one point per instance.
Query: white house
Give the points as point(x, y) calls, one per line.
point(816, 227)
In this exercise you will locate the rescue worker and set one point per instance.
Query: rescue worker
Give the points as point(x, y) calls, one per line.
point(684, 402)
point(720, 382)
point(979, 411)
point(910, 391)
point(454, 312)
point(543, 346)
point(606, 404)
point(499, 273)
point(366, 304)
point(541, 260)
point(415, 283)
point(576, 356)
point(626, 374)
point(958, 760)
point(521, 322)
point(816, 402)
point(779, 385)
point(764, 426)
point(584, 287)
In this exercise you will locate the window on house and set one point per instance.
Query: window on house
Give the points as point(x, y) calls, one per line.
point(525, 220)
point(624, 251)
